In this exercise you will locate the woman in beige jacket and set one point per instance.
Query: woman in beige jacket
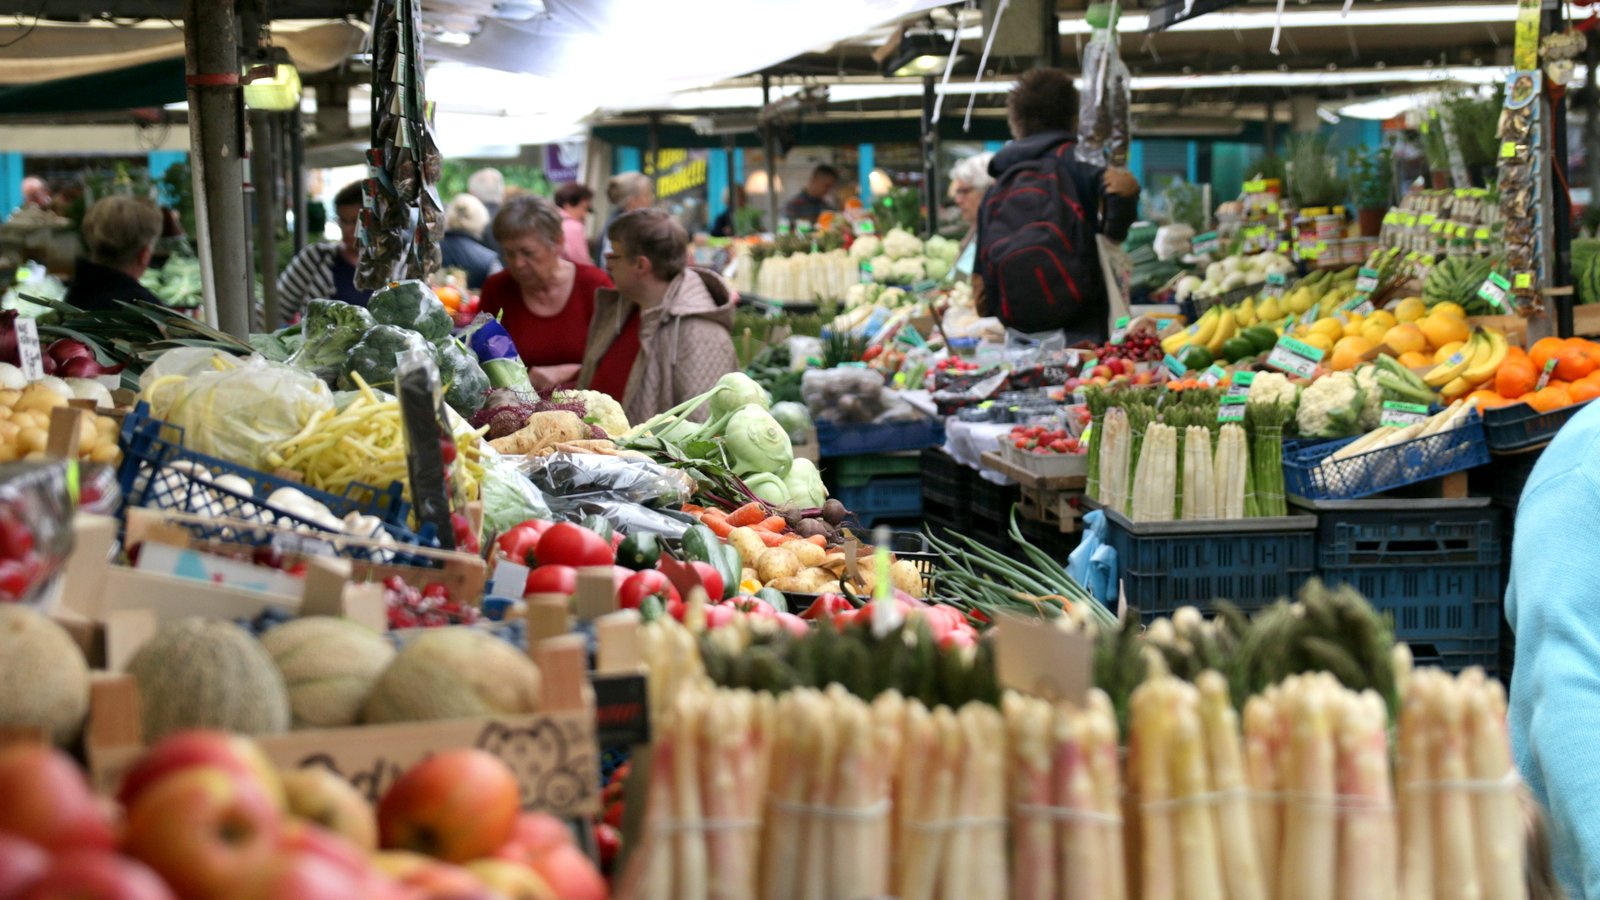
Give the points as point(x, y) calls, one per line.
point(682, 316)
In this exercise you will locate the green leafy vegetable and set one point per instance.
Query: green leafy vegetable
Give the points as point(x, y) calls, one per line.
point(757, 443)
point(734, 391)
point(373, 357)
point(805, 485)
point(465, 384)
point(413, 305)
point(331, 328)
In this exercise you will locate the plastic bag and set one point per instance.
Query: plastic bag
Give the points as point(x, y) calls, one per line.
point(508, 496)
point(374, 356)
point(570, 475)
point(240, 412)
point(1104, 128)
point(497, 354)
point(1094, 563)
point(35, 528)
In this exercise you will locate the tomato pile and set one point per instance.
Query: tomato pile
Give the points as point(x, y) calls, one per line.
point(1039, 439)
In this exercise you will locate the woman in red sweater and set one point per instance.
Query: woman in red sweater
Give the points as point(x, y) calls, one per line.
point(546, 302)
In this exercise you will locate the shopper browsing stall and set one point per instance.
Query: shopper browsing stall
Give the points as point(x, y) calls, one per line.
point(1036, 248)
point(466, 220)
point(626, 192)
point(574, 200)
point(969, 179)
point(544, 301)
point(815, 198)
point(120, 233)
point(326, 270)
point(662, 336)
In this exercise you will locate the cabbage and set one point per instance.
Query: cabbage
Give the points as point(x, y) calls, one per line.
point(794, 417)
point(938, 267)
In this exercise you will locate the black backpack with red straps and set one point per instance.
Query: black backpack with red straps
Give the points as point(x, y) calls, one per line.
point(1036, 245)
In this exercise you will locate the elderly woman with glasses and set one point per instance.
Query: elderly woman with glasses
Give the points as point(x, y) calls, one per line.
point(969, 179)
point(545, 301)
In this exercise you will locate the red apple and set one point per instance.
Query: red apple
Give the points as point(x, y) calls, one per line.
point(534, 835)
point(47, 801)
point(318, 795)
point(570, 873)
point(92, 874)
point(304, 838)
point(301, 876)
point(187, 749)
point(513, 881)
point(434, 879)
point(207, 831)
point(456, 805)
point(21, 864)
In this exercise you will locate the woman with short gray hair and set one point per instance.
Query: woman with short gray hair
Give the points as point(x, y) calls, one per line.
point(466, 220)
point(969, 180)
point(626, 192)
point(545, 301)
point(120, 234)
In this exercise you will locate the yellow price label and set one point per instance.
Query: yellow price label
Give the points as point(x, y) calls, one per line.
point(1523, 280)
point(1508, 149)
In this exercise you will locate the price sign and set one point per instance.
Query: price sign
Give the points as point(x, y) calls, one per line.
point(1288, 324)
point(1295, 357)
point(1403, 414)
point(1120, 333)
point(1366, 280)
point(1544, 377)
point(28, 351)
point(1211, 376)
point(1495, 289)
point(1207, 244)
point(1277, 285)
point(1524, 281)
point(1255, 187)
point(1174, 366)
point(1241, 384)
point(1232, 408)
point(1427, 218)
point(1359, 304)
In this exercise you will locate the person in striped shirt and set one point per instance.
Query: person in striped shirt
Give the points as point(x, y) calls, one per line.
point(325, 270)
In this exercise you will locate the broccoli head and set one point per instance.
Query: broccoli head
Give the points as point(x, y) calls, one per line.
point(465, 384)
point(374, 357)
point(330, 329)
point(413, 305)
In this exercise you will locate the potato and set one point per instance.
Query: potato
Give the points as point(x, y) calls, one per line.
point(105, 453)
point(776, 562)
point(749, 544)
point(33, 439)
point(903, 574)
point(88, 435)
point(790, 585)
point(808, 553)
point(748, 574)
point(8, 453)
point(9, 431)
point(9, 397)
point(830, 587)
point(38, 397)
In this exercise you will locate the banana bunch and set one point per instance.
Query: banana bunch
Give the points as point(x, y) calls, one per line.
point(1213, 329)
point(1472, 365)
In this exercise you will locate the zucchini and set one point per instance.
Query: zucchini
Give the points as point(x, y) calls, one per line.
point(639, 551)
point(701, 544)
point(775, 597)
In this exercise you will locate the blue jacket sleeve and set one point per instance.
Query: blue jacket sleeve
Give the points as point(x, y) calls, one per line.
point(1555, 691)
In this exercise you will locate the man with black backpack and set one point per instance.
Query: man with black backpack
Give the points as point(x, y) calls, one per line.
point(1038, 224)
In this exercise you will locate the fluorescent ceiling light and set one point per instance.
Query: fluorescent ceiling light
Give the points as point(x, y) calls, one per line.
point(1360, 16)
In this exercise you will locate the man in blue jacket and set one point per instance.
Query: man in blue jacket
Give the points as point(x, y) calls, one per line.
point(1555, 687)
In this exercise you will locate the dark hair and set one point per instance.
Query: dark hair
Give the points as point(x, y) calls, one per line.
point(655, 235)
point(1042, 100)
point(571, 194)
point(826, 171)
point(349, 195)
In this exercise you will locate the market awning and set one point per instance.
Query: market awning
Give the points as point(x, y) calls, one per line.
point(152, 84)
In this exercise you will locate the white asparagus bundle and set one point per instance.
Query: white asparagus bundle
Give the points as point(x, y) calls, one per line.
point(1028, 730)
point(1241, 866)
point(1263, 748)
point(1199, 491)
point(1104, 761)
point(933, 754)
point(1500, 854)
point(1310, 836)
point(1149, 742)
point(816, 863)
point(1155, 478)
point(983, 838)
point(1116, 448)
point(1455, 877)
point(1080, 856)
point(782, 838)
point(1367, 867)
point(1231, 464)
point(1414, 773)
point(1193, 798)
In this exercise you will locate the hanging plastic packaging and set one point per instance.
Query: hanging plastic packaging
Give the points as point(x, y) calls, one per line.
point(1104, 129)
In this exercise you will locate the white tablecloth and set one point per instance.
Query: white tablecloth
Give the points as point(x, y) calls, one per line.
point(966, 442)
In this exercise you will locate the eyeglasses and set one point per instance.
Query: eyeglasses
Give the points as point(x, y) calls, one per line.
point(961, 191)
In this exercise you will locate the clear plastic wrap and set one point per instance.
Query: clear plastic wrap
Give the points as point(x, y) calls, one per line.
point(35, 528)
point(508, 496)
point(853, 395)
point(632, 494)
point(1104, 128)
point(240, 412)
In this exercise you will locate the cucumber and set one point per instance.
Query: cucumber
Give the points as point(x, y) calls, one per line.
point(701, 544)
point(776, 598)
point(639, 551)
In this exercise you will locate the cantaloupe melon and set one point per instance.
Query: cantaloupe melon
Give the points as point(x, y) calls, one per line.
point(329, 666)
point(44, 680)
point(452, 673)
point(208, 673)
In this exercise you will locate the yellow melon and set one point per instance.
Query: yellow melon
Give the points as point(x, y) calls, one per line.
point(1347, 354)
point(1443, 328)
point(1406, 338)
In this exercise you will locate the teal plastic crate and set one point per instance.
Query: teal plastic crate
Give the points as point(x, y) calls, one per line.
point(891, 497)
point(855, 471)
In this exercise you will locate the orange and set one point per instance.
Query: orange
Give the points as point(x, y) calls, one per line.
point(1516, 375)
point(1349, 352)
point(1571, 363)
point(1442, 329)
point(1544, 349)
point(1413, 359)
point(1486, 399)
point(1552, 397)
point(1581, 391)
point(1405, 338)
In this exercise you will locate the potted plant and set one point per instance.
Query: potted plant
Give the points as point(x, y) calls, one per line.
point(1372, 187)
point(1314, 179)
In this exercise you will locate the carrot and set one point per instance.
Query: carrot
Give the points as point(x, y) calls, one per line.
point(819, 540)
point(718, 525)
point(774, 524)
point(693, 510)
point(772, 539)
point(749, 514)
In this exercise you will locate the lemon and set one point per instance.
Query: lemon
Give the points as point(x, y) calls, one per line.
point(1386, 317)
point(1449, 308)
point(1410, 309)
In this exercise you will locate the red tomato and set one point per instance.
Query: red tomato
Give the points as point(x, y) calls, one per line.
point(793, 624)
point(566, 544)
point(519, 542)
point(640, 585)
point(719, 615)
point(753, 605)
point(551, 580)
point(710, 578)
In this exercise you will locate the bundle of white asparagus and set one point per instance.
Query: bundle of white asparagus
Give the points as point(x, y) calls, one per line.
point(1066, 813)
point(1155, 480)
point(950, 805)
point(1199, 491)
point(1116, 453)
point(1231, 466)
point(1460, 820)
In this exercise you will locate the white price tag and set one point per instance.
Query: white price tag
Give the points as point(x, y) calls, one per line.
point(1495, 289)
point(1232, 408)
point(1240, 386)
point(1366, 280)
point(28, 350)
point(1211, 376)
point(1295, 357)
point(1403, 414)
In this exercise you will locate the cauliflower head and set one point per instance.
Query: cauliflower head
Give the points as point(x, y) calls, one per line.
point(1331, 407)
point(941, 247)
point(938, 267)
point(1273, 387)
point(882, 269)
point(1372, 393)
point(599, 409)
point(901, 244)
point(892, 297)
point(906, 271)
point(866, 247)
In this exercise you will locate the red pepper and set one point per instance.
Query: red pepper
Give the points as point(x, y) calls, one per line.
point(519, 542)
point(710, 578)
point(827, 606)
point(551, 580)
point(753, 605)
point(644, 584)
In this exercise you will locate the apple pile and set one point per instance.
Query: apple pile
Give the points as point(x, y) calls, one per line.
point(1039, 439)
point(204, 815)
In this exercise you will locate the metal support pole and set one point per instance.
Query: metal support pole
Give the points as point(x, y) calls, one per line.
point(770, 151)
point(211, 51)
point(930, 156)
point(1269, 131)
point(263, 169)
point(297, 176)
point(1561, 203)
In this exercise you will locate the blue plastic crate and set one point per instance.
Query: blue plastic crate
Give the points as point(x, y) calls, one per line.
point(1519, 426)
point(158, 472)
point(1365, 474)
point(889, 497)
point(834, 439)
point(1456, 655)
point(1357, 533)
point(1249, 562)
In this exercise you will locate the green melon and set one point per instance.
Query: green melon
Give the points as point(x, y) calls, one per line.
point(453, 673)
point(208, 673)
point(44, 680)
point(329, 666)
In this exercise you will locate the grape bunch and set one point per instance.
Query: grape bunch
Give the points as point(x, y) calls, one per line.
point(431, 607)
